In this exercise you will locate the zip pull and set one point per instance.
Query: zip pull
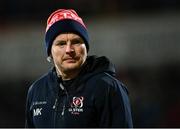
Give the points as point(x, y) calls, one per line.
point(61, 86)
point(55, 104)
point(62, 113)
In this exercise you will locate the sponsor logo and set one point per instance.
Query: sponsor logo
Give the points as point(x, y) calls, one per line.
point(76, 105)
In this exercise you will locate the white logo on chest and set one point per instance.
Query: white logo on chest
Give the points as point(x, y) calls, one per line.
point(76, 105)
point(37, 112)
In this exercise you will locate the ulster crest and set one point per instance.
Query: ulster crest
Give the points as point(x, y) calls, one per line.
point(76, 105)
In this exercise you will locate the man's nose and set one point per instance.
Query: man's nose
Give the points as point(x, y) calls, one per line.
point(69, 48)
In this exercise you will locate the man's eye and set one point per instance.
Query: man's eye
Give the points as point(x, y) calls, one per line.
point(61, 43)
point(77, 42)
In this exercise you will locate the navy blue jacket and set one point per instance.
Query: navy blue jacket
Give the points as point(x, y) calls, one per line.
point(93, 99)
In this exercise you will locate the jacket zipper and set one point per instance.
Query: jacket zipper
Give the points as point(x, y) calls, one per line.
point(64, 101)
point(56, 104)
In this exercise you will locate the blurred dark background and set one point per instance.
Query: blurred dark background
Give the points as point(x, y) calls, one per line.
point(141, 37)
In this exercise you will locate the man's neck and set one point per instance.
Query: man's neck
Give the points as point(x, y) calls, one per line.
point(68, 75)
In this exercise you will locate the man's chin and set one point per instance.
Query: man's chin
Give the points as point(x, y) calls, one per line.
point(71, 67)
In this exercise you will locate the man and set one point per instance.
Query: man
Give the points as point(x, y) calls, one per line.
point(80, 90)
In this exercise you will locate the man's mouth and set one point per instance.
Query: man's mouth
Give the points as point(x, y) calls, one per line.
point(70, 60)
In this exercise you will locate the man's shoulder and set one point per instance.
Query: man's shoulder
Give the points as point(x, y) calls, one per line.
point(106, 80)
point(41, 79)
point(104, 76)
point(38, 83)
point(103, 79)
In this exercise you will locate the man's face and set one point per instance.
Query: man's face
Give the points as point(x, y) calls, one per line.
point(68, 52)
